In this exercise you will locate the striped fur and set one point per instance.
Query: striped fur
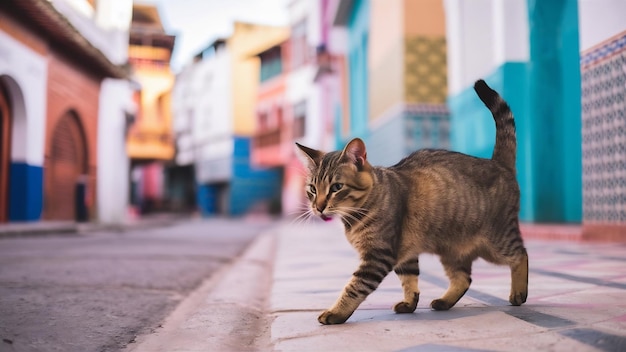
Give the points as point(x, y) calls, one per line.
point(433, 201)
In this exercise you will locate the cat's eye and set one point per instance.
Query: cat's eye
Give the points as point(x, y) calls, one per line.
point(312, 189)
point(336, 187)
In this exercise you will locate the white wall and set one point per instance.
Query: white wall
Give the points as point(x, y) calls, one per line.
point(600, 20)
point(113, 162)
point(27, 81)
point(203, 118)
point(300, 87)
point(299, 83)
point(482, 35)
point(182, 105)
point(106, 28)
point(213, 125)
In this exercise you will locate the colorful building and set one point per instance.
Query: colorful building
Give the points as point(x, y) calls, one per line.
point(150, 143)
point(531, 54)
point(214, 106)
point(301, 95)
point(397, 76)
point(57, 56)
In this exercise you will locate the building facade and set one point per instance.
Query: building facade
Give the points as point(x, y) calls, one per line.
point(50, 76)
point(397, 76)
point(301, 95)
point(603, 83)
point(150, 143)
point(215, 103)
point(533, 52)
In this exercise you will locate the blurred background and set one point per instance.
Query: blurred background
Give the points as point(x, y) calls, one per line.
point(117, 109)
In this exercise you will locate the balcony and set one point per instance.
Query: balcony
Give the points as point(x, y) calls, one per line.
point(150, 145)
point(269, 148)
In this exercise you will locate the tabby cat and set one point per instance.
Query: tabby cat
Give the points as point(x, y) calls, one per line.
point(434, 201)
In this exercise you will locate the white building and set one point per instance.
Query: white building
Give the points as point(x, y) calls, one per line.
point(203, 125)
point(301, 93)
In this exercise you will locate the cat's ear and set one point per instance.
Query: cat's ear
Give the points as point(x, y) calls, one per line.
point(356, 152)
point(313, 155)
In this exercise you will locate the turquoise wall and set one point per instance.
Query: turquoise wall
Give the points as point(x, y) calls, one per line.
point(555, 107)
point(473, 130)
point(358, 43)
point(544, 95)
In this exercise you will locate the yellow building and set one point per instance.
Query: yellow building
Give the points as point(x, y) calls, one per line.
point(407, 54)
point(397, 75)
point(215, 109)
point(149, 142)
point(244, 44)
point(150, 51)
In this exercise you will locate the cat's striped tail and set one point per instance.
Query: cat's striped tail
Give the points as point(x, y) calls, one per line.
point(506, 143)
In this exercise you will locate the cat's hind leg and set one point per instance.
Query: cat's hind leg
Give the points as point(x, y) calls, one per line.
point(519, 278)
point(510, 250)
point(459, 272)
point(408, 273)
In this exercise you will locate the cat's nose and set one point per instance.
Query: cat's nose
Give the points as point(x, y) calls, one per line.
point(320, 207)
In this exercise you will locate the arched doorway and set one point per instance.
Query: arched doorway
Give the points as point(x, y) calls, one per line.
point(5, 151)
point(66, 164)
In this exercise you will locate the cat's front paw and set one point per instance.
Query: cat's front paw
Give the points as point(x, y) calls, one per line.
point(518, 298)
point(440, 304)
point(328, 318)
point(405, 307)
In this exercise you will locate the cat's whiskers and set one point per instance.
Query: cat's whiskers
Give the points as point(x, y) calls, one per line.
point(349, 213)
point(305, 214)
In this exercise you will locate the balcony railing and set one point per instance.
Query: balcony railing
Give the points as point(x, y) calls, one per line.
point(267, 138)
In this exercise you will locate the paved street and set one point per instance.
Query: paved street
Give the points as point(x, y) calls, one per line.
point(97, 292)
point(100, 292)
point(576, 302)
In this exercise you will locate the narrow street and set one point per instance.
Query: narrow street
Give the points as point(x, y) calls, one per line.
point(97, 292)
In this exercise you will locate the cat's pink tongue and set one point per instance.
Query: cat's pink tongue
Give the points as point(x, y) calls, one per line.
point(326, 218)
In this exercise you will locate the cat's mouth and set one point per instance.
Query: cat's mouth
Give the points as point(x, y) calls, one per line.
point(325, 217)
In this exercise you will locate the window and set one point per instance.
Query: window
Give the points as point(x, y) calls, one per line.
point(299, 119)
point(299, 47)
point(271, 63)
point(263, 121)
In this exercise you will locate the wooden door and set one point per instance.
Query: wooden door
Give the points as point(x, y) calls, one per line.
point(5, 153)
point(66, 163)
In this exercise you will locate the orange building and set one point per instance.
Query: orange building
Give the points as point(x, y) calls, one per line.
point(150, 143)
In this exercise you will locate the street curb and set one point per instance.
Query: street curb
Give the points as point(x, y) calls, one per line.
point(228, 312)
point(35, 229)
point(28, 230)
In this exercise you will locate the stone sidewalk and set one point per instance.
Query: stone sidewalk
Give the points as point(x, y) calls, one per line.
point(577, 300)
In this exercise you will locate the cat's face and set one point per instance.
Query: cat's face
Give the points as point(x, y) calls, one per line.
point(338, 183)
